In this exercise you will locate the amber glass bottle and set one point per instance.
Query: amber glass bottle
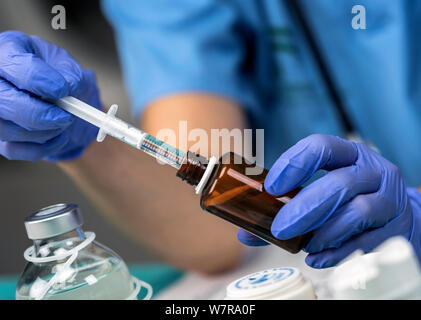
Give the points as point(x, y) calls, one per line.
point(241, 199)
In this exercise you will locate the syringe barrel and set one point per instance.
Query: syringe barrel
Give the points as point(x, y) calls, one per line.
point(162, 151)
point(108, 123)
point(123, 131)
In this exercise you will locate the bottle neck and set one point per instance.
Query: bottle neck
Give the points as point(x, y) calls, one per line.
point(193, 168)
point(70, 240)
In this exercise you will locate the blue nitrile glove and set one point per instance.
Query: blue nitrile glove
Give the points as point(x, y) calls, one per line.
point(360, 202)
point(30, 128)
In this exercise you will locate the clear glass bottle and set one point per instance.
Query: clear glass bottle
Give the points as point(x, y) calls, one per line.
point(241, 199)
point(66, 264)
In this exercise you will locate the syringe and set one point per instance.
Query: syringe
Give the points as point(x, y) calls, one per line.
point(109, 124)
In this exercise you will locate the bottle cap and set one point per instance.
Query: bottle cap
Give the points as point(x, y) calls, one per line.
point(53, 221)
point(273, 284)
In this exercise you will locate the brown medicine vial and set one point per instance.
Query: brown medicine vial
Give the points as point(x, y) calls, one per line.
point(239, 198)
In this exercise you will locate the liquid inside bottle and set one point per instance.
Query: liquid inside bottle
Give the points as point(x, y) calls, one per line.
point(58, 270)
point(239, 198)
point(96, 274)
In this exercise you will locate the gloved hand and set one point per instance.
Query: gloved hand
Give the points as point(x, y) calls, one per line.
point(33, 129)
point(360, 202)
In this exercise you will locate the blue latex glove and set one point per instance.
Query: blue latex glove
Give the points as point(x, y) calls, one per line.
point(30, 128)
point(360, 202)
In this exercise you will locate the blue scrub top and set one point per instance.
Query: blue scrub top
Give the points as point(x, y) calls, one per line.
point(253, 51)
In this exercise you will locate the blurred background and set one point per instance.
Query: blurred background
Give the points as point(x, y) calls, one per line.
point(26, 187)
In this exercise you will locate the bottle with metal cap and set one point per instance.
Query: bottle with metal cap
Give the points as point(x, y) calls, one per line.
point(65, 263)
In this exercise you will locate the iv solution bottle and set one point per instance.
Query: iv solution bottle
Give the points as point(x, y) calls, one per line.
point(229, 193)
point(65, 263)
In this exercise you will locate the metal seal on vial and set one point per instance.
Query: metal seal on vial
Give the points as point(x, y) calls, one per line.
point(53, 221)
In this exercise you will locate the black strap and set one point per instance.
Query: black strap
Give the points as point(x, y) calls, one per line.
point(296, 9)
